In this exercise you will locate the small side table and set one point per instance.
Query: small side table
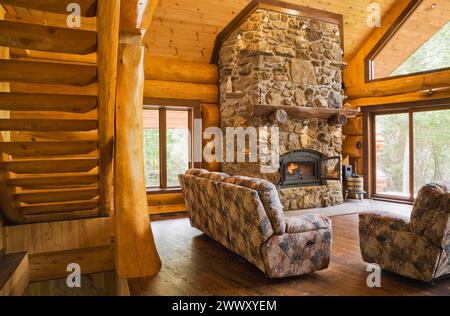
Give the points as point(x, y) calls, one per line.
point(359, 195)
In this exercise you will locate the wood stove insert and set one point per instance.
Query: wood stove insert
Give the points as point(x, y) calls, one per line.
point(307, 167)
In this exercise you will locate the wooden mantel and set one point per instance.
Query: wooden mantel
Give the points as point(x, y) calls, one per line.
point(296, 112)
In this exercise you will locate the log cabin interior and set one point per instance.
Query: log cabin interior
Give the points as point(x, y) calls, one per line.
point(232, 147)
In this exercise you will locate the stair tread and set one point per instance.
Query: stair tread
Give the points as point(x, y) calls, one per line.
point(88, 7)
point(16, 101)
point(46, 38)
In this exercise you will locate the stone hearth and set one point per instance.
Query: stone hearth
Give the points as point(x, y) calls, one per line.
point(280, 59)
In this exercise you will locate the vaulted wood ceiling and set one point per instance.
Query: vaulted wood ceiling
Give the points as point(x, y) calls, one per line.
point(186, 29)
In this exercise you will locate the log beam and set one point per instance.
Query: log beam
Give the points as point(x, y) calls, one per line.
point(400, 98)
point(177, 71)
point(205, 93)
point(402, 85)
point(338, 119)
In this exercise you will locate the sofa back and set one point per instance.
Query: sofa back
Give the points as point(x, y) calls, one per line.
point(431, 214)
point(234, 215)
point(269, 197)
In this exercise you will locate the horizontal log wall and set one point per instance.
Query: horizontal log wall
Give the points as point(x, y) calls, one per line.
point(353, 143)
point(169, 79)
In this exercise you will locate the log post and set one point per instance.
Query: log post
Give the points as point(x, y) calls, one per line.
point(278, 116)
point(108, 45)
point(338, 119)
point(136, 253)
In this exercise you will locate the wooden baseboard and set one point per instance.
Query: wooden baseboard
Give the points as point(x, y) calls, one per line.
point(165, 209)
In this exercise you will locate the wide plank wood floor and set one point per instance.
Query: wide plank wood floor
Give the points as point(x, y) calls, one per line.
point(194, 264)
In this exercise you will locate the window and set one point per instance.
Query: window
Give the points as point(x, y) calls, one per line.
point(410, 147)
point(418, 42)
point(167, 145)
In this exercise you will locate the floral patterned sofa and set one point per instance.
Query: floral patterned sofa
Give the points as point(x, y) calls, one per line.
point(418, 247)
point(245, 215)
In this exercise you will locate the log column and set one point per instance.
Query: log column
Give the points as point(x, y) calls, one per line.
point(108, 42)
point(136, 254)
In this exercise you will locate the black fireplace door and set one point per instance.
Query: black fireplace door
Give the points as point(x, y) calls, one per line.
point(330, 168)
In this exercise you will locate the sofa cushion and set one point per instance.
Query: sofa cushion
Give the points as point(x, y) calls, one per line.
point(269, 197)
point(214, 176)
point(197, 172)
point(300, 224)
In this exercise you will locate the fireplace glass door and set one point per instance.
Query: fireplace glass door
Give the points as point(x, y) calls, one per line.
point(330, 168)
point(301, 169)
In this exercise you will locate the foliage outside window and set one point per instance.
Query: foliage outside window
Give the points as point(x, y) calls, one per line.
point(428, 158)
point(167, 146)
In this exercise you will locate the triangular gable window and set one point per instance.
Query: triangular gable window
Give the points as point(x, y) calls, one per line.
point(420, 42)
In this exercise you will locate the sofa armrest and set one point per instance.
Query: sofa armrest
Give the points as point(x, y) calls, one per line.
point(305, 223)
point(378, 218)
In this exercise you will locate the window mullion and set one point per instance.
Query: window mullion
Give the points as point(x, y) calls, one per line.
point(411, 155)
point(163, 147)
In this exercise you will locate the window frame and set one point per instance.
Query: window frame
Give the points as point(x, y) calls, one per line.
point(162, 106)
point(369, 127)
point(368, 61)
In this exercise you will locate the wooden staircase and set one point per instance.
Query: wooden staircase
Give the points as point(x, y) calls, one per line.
point(50, 153)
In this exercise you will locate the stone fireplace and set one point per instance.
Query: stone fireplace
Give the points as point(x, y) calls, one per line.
point(277, 59)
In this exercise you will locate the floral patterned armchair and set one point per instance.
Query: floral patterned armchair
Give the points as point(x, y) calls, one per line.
point(416, 247)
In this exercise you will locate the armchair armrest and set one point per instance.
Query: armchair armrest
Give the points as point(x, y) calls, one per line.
point(305, 223)
point(378, 218)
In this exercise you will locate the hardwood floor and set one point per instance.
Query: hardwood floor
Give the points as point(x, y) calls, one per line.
point(194, 264)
